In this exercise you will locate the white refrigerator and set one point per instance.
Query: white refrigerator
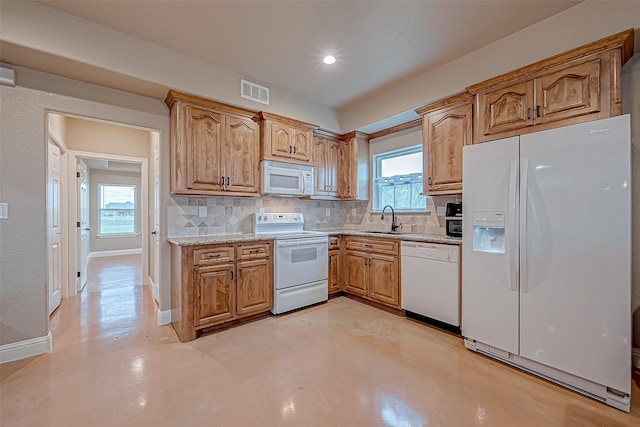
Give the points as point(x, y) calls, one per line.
point(546, 255)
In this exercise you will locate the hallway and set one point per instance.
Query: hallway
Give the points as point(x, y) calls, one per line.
point(342, 363)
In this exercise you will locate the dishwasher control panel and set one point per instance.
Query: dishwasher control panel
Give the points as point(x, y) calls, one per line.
point(433, 251)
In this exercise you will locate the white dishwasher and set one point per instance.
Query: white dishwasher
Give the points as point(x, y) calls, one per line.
point(431, 282)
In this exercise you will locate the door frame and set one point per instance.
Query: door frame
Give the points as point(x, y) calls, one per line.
point(72, 237)
point(53, 137)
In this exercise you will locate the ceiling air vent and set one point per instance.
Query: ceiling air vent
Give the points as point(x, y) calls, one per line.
point(254, 92)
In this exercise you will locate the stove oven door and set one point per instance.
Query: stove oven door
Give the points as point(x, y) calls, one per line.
point(299, 261)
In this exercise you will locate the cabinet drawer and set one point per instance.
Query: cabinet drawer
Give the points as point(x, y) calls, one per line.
point(334, 242)
point(213, 256)
point(247, 251)
point(373, 245)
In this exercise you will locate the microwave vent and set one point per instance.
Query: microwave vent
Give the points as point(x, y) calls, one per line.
point(254, 92)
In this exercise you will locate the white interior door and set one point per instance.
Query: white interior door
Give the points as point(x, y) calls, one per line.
point(83, 217)
point(156, 219)
point(54, 232)
point(575, 250)
point(489, 269)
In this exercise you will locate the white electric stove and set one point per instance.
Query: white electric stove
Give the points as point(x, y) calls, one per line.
point(300, 273)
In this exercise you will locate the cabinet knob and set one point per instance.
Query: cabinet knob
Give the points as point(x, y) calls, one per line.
point(429, 181)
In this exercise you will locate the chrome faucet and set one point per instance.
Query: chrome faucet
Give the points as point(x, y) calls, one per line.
point(394, 226)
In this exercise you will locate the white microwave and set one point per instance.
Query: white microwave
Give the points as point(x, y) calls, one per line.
point(286, 179)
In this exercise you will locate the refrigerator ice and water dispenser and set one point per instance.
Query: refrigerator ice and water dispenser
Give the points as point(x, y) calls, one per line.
point(488, 232)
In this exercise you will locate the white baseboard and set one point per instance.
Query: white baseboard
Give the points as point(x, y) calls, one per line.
point(27, 348)
point(118, 252)
point(163, 317)
point(155, 289)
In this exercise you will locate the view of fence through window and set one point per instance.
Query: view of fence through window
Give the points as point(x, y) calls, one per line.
point(398, 180)
point(117, 209)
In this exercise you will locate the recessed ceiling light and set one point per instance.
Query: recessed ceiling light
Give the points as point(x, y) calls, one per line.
point(329, 59)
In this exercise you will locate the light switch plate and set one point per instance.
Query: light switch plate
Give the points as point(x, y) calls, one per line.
point(4, 210)
point(440, 211)
point(202, 211)
point(354, 211)
point(328, 213)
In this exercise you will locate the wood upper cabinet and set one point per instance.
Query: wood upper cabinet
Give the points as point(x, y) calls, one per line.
point(353, 167)
point(326, 154)
point(242, 156)
point(285, 139)
point(373, 269)
point(447, 126)
point(254, 293)
point(215, 148)
point(214, 295)
point(580, 85)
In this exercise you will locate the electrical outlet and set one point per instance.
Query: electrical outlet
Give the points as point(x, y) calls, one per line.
point(4, 210)
point(440, 211)
point(202, 211)
point(260, 210)
point(328, 213)
point(354, 212)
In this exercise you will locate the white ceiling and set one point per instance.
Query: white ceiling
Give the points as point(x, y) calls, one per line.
point(112, 166)
point(281, 44)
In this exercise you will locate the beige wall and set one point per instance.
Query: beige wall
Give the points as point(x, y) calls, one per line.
point(23, 305)
point(99, 244)
point(58, 124)
point(106, 138)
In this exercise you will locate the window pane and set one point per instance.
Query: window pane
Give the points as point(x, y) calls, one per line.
point(117, 209)
point(403, 196)
point(386, 196)
point(418, 201)
point(402, 165)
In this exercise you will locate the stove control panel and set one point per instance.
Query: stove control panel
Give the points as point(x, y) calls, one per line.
point(279, 218)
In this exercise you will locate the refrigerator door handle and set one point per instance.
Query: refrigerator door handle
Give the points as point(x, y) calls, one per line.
point(524, 282)
point(512, 227)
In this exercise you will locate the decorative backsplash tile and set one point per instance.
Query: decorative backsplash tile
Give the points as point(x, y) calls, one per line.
point(233, 215)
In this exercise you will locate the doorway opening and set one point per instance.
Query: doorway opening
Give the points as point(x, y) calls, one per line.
point(106, 209)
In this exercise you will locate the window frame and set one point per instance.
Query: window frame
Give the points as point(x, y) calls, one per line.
point(377, 166)
point(135, 232)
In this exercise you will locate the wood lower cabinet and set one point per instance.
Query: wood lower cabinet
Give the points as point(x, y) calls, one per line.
point(216, 284)
point(285, 139)
point(447, 126)
point(215, 148)
point(254, 294)
point(373, 269)
point(577, 86)
point(214, 297)
point(335, 264)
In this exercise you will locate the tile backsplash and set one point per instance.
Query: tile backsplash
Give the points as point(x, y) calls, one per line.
point(233, 215)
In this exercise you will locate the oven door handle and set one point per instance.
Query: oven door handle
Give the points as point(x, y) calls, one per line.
point(302, 242)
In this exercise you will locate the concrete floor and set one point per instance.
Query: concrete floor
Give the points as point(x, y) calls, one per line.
point(337, 364)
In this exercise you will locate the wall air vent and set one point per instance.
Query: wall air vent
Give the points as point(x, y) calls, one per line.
point(254, 92)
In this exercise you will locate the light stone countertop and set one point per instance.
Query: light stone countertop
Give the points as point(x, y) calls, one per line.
point(235, 238)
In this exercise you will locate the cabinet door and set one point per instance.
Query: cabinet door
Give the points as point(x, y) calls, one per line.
point(383, 279)
point(254, 287)
point(357, 272)
point(281, 140)
point(345, 174)
point(242, 152)
point(214, 295)
point(507, 109)
point(574, 91)
point(203, 143)
point(302, 142)
point(320, 162)
point(331, 170)
point(444, 135)
point(334, 271)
